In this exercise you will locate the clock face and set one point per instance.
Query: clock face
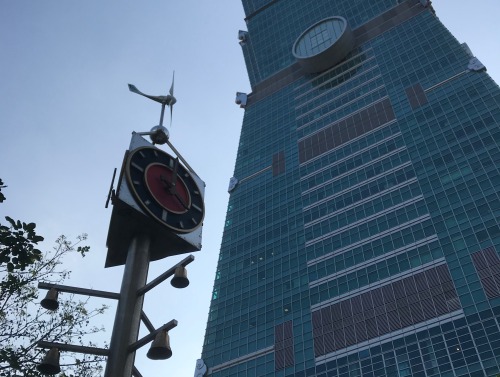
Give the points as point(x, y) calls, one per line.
point(165, 189)
point(320, 37)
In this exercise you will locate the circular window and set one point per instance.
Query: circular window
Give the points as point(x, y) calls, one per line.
point(324, 44)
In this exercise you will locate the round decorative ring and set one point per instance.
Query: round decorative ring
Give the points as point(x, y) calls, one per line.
point(324, 44)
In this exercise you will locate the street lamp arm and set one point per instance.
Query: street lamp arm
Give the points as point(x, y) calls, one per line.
point(74, 348)
point(79, 291)
point(160, 279)
point(148, 338)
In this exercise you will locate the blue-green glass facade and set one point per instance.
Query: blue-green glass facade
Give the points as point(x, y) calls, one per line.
point(363, 236)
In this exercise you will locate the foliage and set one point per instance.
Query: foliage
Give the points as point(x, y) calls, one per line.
point(17, 243)
point(23, 322)
point(2, 196)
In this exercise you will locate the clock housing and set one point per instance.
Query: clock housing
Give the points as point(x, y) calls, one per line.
point(132, 215)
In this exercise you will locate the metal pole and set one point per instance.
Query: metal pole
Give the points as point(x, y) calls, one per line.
point(74, 348)
point(128, 314)
point(80, 291)
point(180, 157)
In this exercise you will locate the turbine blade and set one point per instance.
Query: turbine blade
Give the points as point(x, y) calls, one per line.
point(171, 113)
point(134, 89)
point(171, 91)
point(172, 98)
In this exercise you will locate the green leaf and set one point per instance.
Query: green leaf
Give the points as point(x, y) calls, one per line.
point(30, 227)
point(11, 221)
point(2, 197)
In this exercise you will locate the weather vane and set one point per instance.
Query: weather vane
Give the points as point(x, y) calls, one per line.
point(159, 134)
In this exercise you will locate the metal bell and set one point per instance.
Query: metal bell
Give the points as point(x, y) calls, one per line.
point(180, 279)
point(50, 363)
point(160, 348)
point(50, 300)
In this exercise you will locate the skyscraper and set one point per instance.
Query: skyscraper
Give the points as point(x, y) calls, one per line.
point(362, 233)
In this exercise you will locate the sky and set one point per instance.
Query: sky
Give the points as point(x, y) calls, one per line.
point(66, 117)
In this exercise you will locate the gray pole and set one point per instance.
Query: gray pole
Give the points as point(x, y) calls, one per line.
point(128, 314)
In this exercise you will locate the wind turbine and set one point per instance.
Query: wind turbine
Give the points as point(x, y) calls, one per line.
point(159, 134)
point(168, 100)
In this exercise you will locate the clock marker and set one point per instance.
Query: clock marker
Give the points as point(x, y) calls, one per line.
point(196, 207)
point(137, 183)
point(137, 167)
point(155, 152)
point(141, 153)
point(147, 202)
point(181, 224)
point(194, 221)
point(164, 215)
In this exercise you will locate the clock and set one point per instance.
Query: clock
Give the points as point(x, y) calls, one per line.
point(324, 44)
point(165, 189)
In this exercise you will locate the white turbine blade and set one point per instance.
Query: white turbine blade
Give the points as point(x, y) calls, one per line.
point(172, 98)
point(171, 91)
point(171, 113)
point(134, 89)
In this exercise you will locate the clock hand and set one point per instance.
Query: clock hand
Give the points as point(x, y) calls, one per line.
point(183, 203)
point(174, 172)
point(166, 182)
point(172, 190)
point(169, 186)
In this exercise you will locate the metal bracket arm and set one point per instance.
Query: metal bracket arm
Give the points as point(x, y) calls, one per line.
point(180, 157)
point(173, 149)
point(74, 348)
point(136, 373)
point(148, 338)
point(160, 279)
point(147, 322)
point(79, 291)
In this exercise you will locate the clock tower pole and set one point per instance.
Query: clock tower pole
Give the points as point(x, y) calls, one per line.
point(158, 211)
point(128, 314)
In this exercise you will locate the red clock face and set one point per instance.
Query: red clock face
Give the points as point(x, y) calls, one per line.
point(159, 180)
point(165, 189)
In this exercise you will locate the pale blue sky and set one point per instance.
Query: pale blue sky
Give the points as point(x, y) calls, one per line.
point(66, 117)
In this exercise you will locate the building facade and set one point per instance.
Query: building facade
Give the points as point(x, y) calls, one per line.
point(362, 233)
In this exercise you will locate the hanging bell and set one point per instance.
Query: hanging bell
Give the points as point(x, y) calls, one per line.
point(180, 279)
point(160, 348)
point(50, 300)
point(50, 363)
